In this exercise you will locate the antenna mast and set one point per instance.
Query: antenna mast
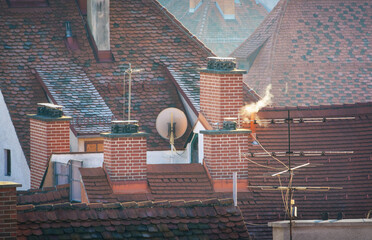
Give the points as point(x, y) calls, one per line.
point(129, 71)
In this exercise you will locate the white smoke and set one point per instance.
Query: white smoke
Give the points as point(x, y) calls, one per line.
point(252, 108)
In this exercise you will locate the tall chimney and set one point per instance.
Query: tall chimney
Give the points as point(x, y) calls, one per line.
point(8, 206)
point(223, 155)
point(125, 156)
point(221, 89)
point(98, 14)
point(49, 133)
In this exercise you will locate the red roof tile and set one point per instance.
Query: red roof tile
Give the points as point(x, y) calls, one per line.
point(312, 52)
point(212, 219)
point(50, 195)
point(179, 181)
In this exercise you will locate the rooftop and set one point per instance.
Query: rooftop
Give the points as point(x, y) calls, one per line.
point(312, 52)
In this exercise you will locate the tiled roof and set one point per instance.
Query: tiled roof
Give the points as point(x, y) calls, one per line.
point(316, 53)
point(75, 92)
point(352, 172)
point(207, 23)
point(142, 33)
point(50, 195)
point(179, 181)
point(209, 219)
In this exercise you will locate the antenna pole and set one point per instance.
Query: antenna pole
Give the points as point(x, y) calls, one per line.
point(130, 90)
point(290, 175)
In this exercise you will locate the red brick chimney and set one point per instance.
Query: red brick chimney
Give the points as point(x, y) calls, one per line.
point(125, 157)
point(222, 157)
point(49, 133)
point(8, 209)
point(221, 90)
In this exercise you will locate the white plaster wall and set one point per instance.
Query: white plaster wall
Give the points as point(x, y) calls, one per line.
point(74, 143)
point(166, 157)
point(90, 160)
point(198, 127)
point(20, 172)
point(346, 229)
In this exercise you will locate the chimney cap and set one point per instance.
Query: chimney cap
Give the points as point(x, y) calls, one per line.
point(224, 65)
point(50, 105)
point(7, 184)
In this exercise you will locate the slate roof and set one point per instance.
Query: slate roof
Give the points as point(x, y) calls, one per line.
point(34, 58)
point(49, 195)
point(312, 52)
point(207, 23)
point(75, 92)
point(208, 219)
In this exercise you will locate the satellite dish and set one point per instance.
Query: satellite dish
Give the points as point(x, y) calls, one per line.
point(164, 119)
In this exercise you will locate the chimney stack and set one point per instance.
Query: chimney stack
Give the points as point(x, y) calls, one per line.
point(98, 15)
point(8, 206)
point(125, 157)
point(223, 149)
point(221, 89)
point(49, 133)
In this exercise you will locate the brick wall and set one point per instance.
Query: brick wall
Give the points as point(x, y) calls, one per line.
point(221, 95)
point(125, 157)
point(8, 210)
point(46, 137)
point(221, 154)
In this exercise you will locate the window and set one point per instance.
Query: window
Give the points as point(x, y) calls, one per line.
point(94, 146)
point(8, 162)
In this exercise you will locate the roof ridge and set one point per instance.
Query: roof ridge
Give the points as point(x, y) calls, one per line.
point(320, 107)
point(128, 205)
point(182, 27)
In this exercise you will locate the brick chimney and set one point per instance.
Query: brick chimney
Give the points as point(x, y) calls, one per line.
point(222, 148)
point(49, 133)
point(125, 157)
point(221, 90)
point(8, 206)
point(98, 15)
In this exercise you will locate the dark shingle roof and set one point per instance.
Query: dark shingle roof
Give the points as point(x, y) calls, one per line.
point(316, 53)
point(209, 219)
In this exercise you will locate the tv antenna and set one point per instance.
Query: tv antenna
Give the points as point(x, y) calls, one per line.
point(291, 210)
point(171, 124)
point(129, 71)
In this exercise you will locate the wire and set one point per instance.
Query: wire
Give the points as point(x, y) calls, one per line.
point(255, 224)
point(250, 160)
point(268, 152)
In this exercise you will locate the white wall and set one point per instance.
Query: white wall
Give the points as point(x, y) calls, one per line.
point(20, 172)
point(90, 160)
point(198, 127)
point(74, 143)
point(346, 229)
point(166, 157)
